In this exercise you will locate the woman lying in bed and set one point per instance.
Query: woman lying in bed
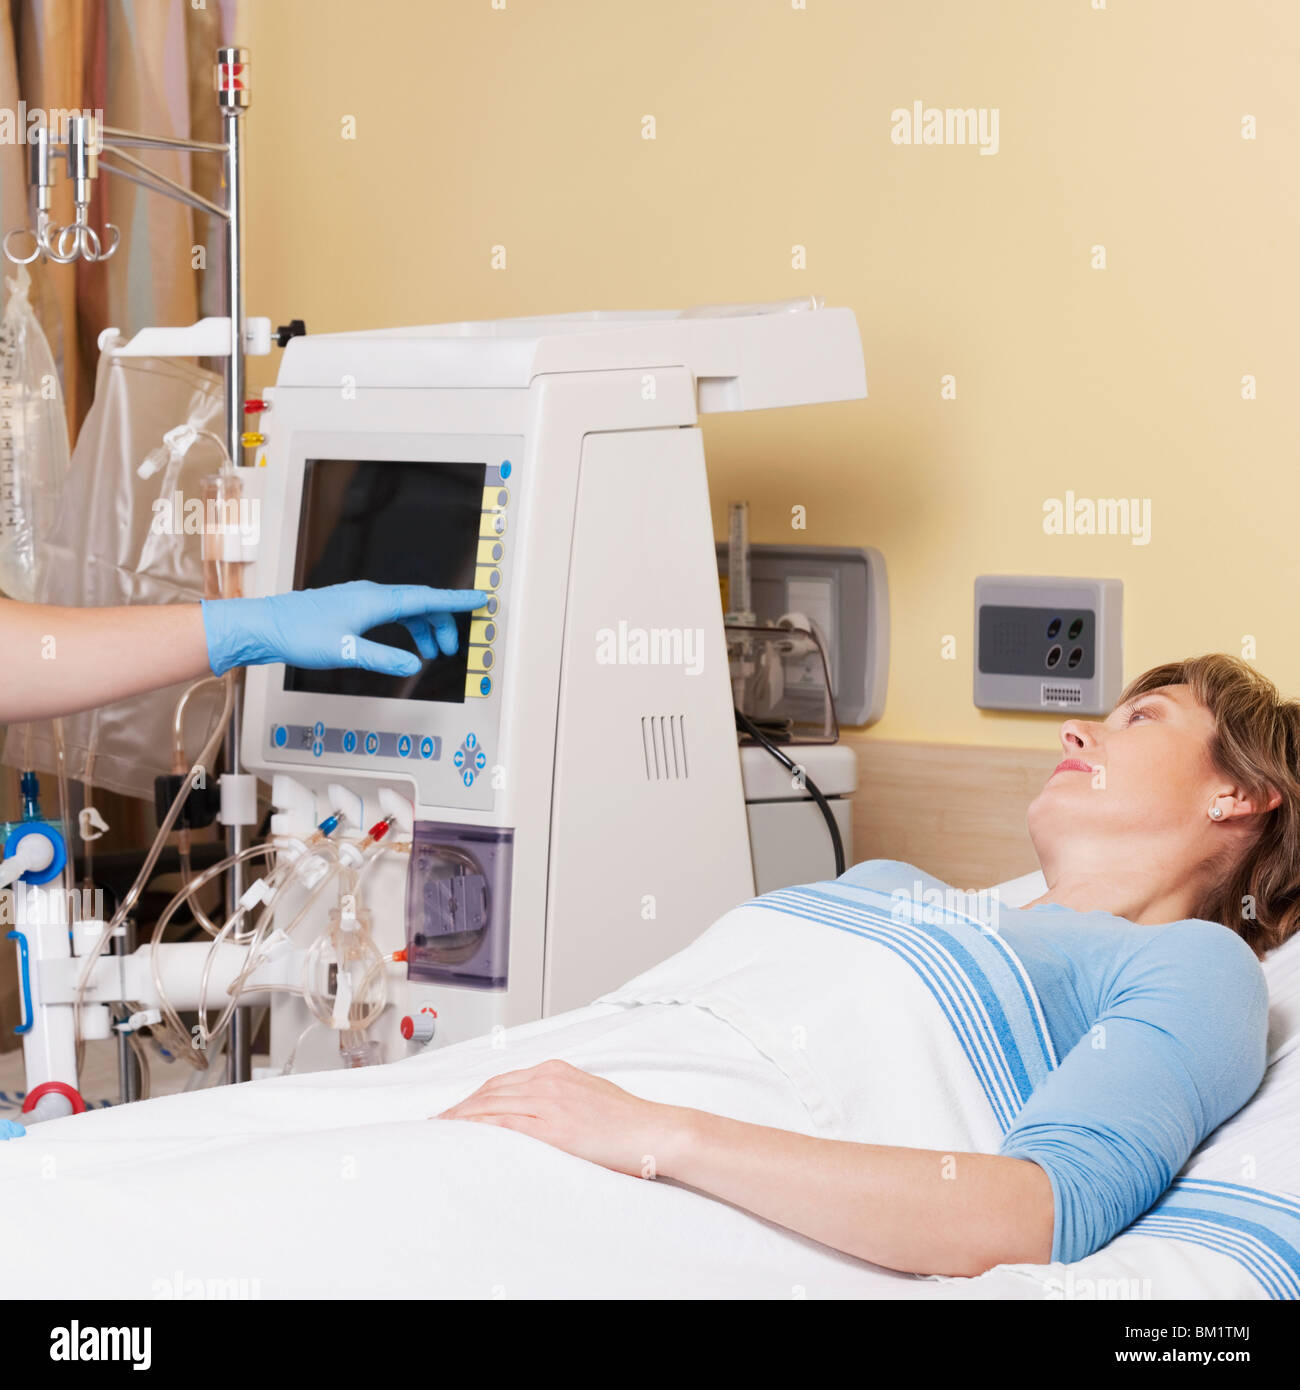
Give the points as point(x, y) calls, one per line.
point(1169, 836)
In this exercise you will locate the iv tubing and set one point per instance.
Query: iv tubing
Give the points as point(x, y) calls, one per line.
point(251, 938)
point(170, 1014)
point(133, 894)
point(60, 761)
point(88, 845)
point(178, 766)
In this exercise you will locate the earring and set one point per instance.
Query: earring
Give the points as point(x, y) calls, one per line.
point(1216, 812)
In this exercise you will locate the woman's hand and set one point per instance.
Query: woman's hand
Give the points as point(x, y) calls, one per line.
point(321, 629)
point(582, 1114)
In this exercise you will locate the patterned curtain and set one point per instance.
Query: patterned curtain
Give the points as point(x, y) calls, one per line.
point(147, 65)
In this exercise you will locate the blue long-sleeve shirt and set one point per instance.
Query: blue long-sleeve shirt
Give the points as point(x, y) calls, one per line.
point(1161, 1032)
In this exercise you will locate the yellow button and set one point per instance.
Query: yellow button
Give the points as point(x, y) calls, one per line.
point(485, 577)
point(480, 659)
point(495, 498)
point(492, 524)
point(490, 552)
point(474, 686)
point(482, 630)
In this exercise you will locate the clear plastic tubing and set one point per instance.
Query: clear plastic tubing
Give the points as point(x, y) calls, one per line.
point(133, 894)
point(170, 1014)
point(314, 842)
point(279, 877)
point(179, 765)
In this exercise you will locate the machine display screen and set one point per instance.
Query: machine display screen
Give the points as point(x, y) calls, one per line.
point(394, 523)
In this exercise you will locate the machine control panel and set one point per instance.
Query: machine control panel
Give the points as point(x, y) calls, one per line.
point(469, 759)
point(319, 740)
point(401, 509)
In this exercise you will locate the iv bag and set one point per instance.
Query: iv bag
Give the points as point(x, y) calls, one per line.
point(107, 549)
point(33, 442)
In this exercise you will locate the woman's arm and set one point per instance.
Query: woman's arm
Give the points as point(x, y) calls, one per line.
point(61, 660)
point(917, 1210)
point(1180, 1045)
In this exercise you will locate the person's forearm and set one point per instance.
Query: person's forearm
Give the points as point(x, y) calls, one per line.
point(61, 660)
point(918, 1210)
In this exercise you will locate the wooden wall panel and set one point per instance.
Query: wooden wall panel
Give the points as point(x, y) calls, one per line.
point(955, 810)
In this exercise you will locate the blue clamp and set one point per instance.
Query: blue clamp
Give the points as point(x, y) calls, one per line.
point(25, 972)
point(39, 827)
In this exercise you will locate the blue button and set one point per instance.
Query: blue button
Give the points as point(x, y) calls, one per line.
point(458, 757)
point(485, 685)
point(426, 748)
point(471, 740)
point(319, 730)
point(281, 735)
point(372, 743)
point(505, 469)
point(467, 777)
point(317, 748)
point(350, 741)
point(404, 746)
point(480, 760)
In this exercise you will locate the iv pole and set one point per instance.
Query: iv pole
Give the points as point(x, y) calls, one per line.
point(84, 146)
point(233, 97)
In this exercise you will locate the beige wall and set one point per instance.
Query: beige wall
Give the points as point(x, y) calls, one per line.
point(1118, 127)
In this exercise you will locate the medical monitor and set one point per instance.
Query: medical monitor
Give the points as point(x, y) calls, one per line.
point(393, 523)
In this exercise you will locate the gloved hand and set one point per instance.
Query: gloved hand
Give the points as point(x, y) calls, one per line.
point(11, 1129)
point(320, 629)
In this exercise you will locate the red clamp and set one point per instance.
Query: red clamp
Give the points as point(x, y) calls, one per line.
point(60, 1088)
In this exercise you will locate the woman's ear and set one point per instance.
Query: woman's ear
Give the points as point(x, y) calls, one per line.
point(1232, 805)
point(1246, 805)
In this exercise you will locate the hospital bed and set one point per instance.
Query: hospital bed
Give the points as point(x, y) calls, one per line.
point(478, 1211)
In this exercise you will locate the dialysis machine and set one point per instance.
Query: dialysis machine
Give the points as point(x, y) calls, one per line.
point(568, 783)
point(519, 827)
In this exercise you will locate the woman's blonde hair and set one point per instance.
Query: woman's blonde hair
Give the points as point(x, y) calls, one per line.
point(1255, 744)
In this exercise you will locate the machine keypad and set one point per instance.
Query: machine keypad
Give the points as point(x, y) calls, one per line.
point(319, 740)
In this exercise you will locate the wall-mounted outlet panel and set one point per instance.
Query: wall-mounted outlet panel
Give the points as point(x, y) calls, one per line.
point(1048, 645)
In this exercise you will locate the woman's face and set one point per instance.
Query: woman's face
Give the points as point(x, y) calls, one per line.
point(1145, 769)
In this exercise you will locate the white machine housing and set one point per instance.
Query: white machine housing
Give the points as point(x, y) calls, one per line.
point(596, 716)
point(789, 841)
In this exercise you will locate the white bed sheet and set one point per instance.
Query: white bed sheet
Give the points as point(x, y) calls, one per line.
point(325, 1177)
point(337, 1184)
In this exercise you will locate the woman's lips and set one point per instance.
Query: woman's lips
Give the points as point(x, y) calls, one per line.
point(1072, 765)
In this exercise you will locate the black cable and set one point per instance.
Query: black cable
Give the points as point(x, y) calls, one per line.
point(747, 725)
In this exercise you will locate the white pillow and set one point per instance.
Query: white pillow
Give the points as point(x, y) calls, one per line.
point(1016, 892)
point(1282, 971)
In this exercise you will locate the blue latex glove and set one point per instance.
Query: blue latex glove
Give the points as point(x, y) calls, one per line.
point(320, 629)
point(11, 1129)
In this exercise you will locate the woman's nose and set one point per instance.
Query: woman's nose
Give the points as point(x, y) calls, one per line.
point(1077, 733)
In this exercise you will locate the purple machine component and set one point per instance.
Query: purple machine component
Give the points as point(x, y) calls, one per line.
point(458, 904)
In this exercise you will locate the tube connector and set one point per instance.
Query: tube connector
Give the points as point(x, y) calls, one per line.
point(351, 855)
point(145, 1018)
point(238, 799)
